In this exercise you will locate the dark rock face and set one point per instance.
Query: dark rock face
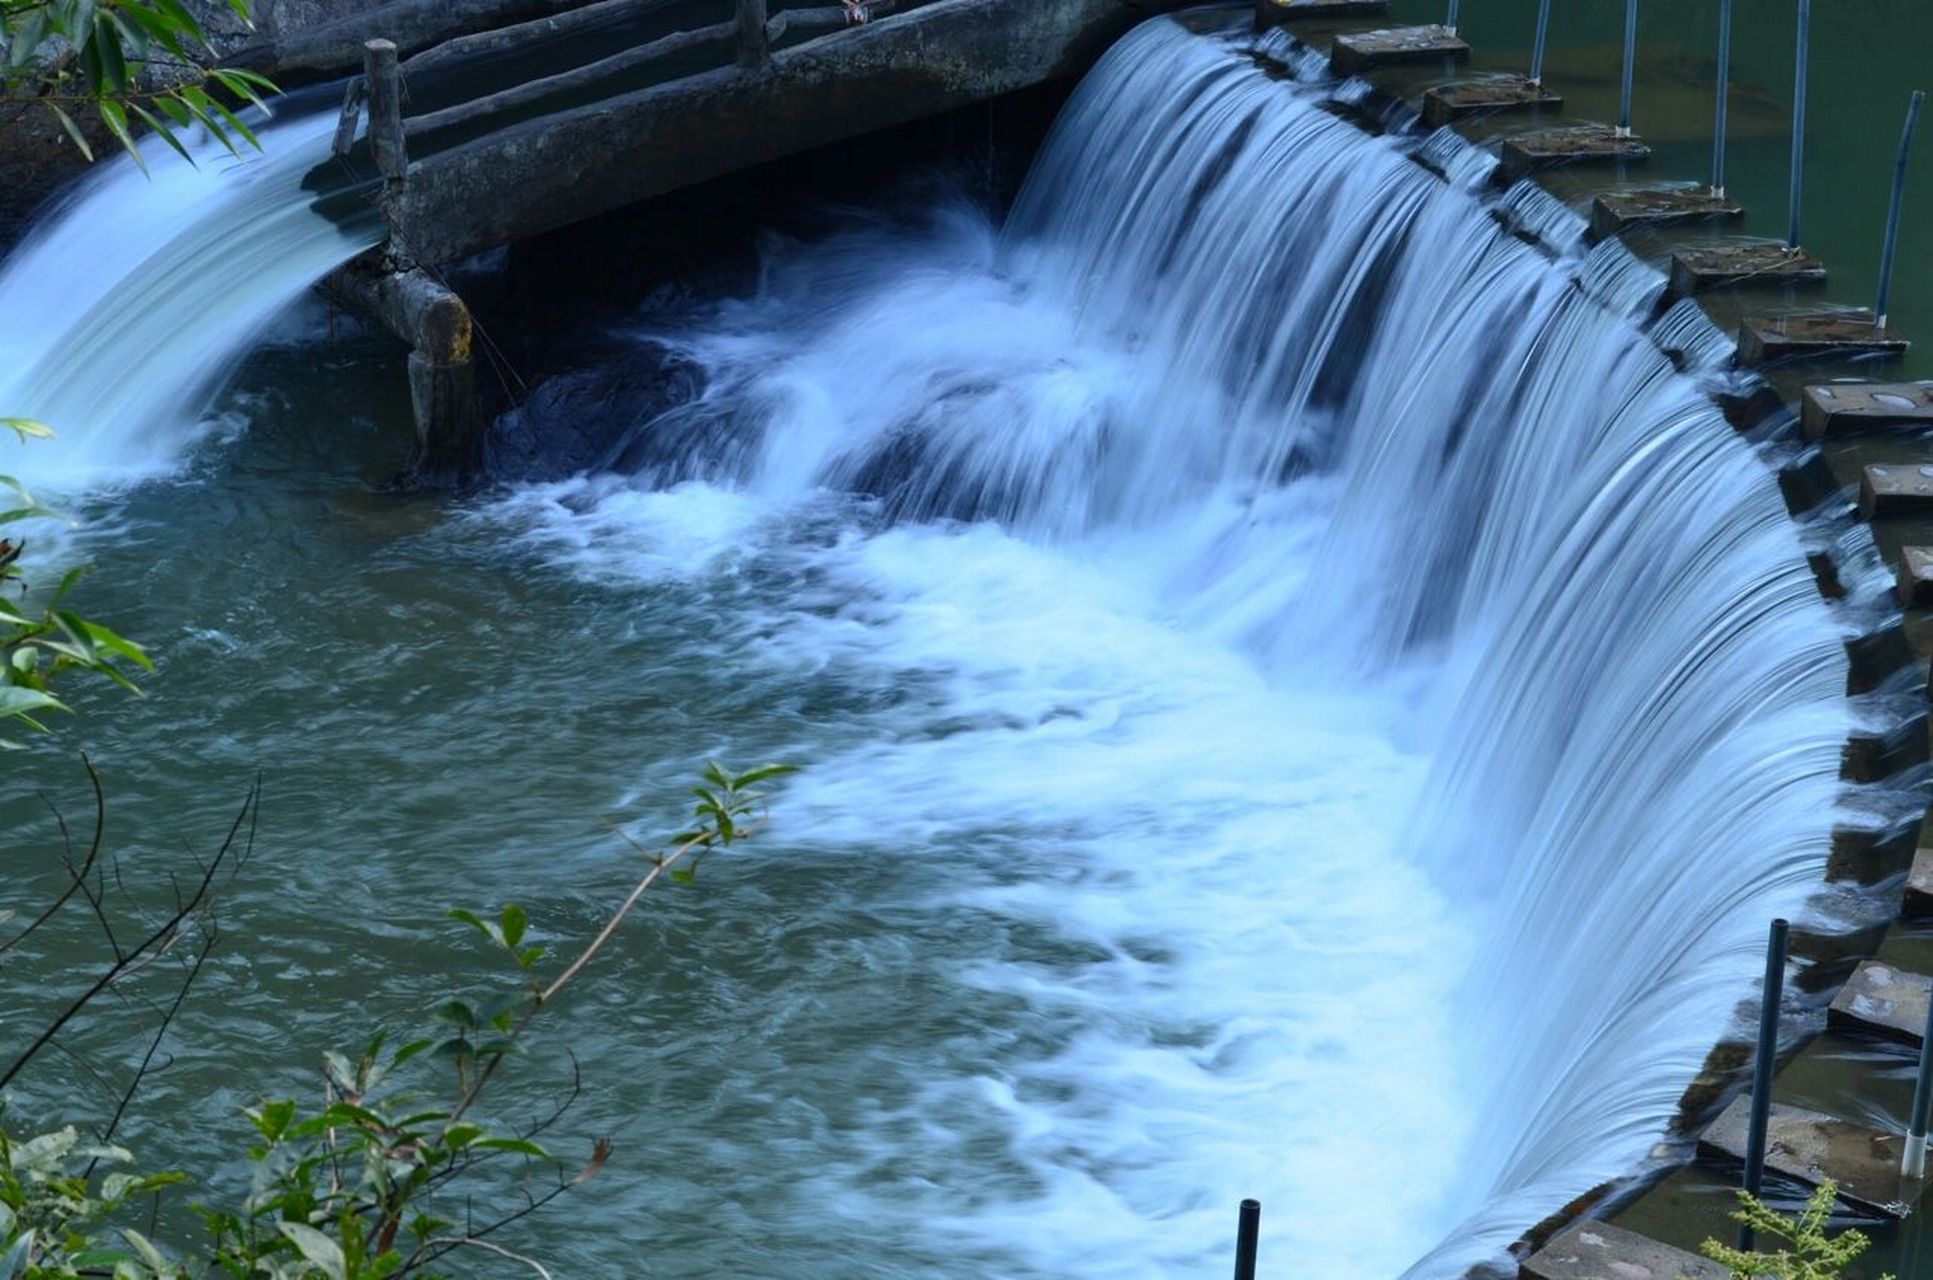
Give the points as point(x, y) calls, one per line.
point(620, 415)
point(36, 159)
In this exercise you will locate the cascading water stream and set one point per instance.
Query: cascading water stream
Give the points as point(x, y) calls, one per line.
point(1313, 400)
point(122, 311)
point(1375, 701)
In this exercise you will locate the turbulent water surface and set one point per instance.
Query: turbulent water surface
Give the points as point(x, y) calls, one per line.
point(1300, 700)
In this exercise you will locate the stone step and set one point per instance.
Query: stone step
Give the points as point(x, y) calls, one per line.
point(1841, 408)
point(1869, 856)
point(1592, 1250)
point(1809, 1146)
point(1697, 268)
point(1896, 489)
point(1270, 12)
point(1468, 98)
point(1358, 51)
point(1815, 335)
point(1616, 212)
point(1568, 144)
point(1915, 577)
point(1918, 898)
point(1869, 756)
point(1882, 1000)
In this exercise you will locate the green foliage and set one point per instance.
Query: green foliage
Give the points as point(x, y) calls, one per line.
point(390, 1170)
point(128, 63)
point(41, 642)
point(1812, 1255)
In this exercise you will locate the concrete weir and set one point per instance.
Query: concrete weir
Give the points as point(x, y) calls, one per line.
point(1815, 334)
point(1592, 1250)
point(1616, 212)
point(1834, 409)
point(1696, 268)
point(1810, 1146)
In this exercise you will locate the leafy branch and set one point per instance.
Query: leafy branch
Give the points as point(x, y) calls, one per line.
point(1812, 1255)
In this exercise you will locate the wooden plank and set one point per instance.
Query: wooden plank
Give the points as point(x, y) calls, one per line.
point(1809, 1146)
point(1358, 51)
point(1842, 408)
point(1882, 1000)
point(1593, 1250)
point(1698, 268)
point(1498, 96)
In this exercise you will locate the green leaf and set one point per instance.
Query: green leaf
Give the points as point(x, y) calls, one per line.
point(162, 130)
point(27, 427)
point(517, 1146)
point(149, 1254)
point(115, 117)
point(319, 1249)
point(457, 1013)
point(73, 131)
point(15, 1262)
point(765, 772)
point(409, 1051)
point(514, 924)
point(272, 1120)
point(27, 39)
point(17, 700)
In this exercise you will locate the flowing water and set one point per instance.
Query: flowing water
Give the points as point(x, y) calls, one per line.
point(1299, 699)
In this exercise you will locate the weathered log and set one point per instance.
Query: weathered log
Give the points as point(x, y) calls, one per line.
point(605, 13)
point(335, 48)
point(754, 49)
point(413, 305)
point(576, 80)
point(352, 96)
point(561, 168)
point(809, 22)
point(384, 81)
point(443, 396)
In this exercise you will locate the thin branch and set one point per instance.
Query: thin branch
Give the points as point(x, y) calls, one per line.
point(87, 864)
point(470, 1242)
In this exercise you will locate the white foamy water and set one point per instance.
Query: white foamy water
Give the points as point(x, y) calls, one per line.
point(1357, 639)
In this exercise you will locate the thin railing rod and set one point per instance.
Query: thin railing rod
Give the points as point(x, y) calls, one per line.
point(1537, 45)
point(1719, 125)
point(1798, 121)
point(1630, 66)
point(1763, 1063)
point(1913, 105)
point(1450, 21)
point(1913, 1163)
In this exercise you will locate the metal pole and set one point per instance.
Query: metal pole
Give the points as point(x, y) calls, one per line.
point(1724, 97)
point(1913, 1163)
point(1630, 64)
point(1248, 1231)
point(1762, 1065)
point(1450, 22)
point(1537, 47)
point(1913, 105)
point(1798, 120)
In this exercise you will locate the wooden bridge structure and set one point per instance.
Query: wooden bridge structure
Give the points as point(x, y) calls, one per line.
point(496, 136)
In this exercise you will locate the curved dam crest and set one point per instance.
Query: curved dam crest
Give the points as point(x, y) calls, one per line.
point(1356, 701)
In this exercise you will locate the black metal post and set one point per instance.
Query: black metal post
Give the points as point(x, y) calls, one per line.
point(1248, 1233)
point(1537, 45)
point(1763, 1064)
point(1913, 105)
point(1913, 1163)
point(1798, 120)
point(1630, 65)
point(1724, 96)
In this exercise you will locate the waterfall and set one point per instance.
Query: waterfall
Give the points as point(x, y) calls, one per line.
point(122, 310)
point(1373, 698)
point(1298, 386)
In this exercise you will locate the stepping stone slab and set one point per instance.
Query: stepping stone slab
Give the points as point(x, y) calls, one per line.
point(1815, 335)
point(1723, 266)
point(1919, 883)
point(1841, 408)
point(1809, 1146)
point(1570, 144)
point(1882, 1000)
point(1290, 10)
point(1616, 212)
point(1360, 50)
point(1588, 1250)
point(1896, 489)
point(1915, 579)
point(1449, 102)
